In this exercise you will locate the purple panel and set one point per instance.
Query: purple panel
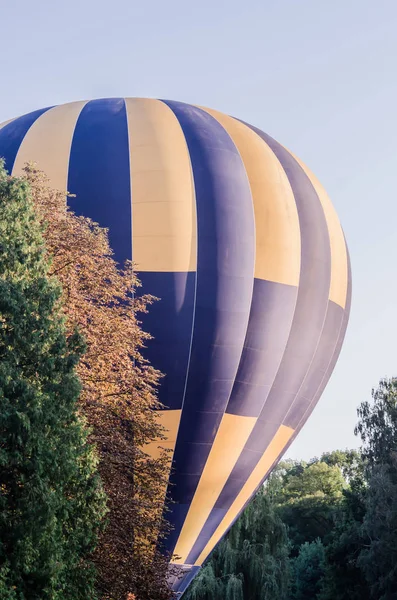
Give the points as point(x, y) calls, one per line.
point(169, 321)
point(99, 171)
point(319, 366)
point(335, 354)
point(272, 311)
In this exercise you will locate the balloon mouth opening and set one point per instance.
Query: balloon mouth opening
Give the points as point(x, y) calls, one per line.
point(180, 577)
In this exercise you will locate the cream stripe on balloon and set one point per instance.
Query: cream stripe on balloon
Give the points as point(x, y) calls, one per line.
point(162, 189)
point(48, 143)
point(278, 244)
point(339, 270)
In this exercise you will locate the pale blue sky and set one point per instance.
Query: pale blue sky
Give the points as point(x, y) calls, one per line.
point(320, 76)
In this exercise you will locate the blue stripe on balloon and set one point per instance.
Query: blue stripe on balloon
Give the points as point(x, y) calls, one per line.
point(12, 135)
point(319, 366)
point(225, 268)
point(169, 321)
point(272, 311)
point(175, 514)
point(99, 171)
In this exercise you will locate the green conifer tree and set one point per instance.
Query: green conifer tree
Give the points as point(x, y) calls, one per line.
point(51, 502)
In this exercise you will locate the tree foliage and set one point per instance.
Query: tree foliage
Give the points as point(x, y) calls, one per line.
point(118, 395)
point(340, 514)
point(378, 430)
point(308, 570)
point(51, 502)
point(307, 495)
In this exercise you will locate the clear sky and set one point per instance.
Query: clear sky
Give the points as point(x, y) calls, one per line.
point(318, 75)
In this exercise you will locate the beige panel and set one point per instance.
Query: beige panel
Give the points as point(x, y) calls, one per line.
point(339, 264)
point(274, 449)
point(163, 198)
point(48, 143)
point(170, 420)
point(6, 123)
point(276, 217)
point(230, 440)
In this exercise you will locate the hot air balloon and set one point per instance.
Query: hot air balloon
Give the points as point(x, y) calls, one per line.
point(241, 244)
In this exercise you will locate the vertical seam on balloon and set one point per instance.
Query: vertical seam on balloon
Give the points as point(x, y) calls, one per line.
point(323, 378)
point(313, 402)
point(129, 171)
point(300, 271)
point(195, 290)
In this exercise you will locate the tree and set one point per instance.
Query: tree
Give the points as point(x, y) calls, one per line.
point(362, 554)
point(349, 462)
point(308, 570)
point(307, 500)
point(317, 479)
point(378, 556)
point(325, 498)
point(51, 501)
point(344, 580)
point(206, 586)
point(377, 424)
point(378, 430)
point(251, 562)
point(118, 394)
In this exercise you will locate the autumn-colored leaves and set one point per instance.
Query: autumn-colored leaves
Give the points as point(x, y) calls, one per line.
point(118, 394)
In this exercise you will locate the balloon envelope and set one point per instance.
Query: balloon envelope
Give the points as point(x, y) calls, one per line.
point(243, 247)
